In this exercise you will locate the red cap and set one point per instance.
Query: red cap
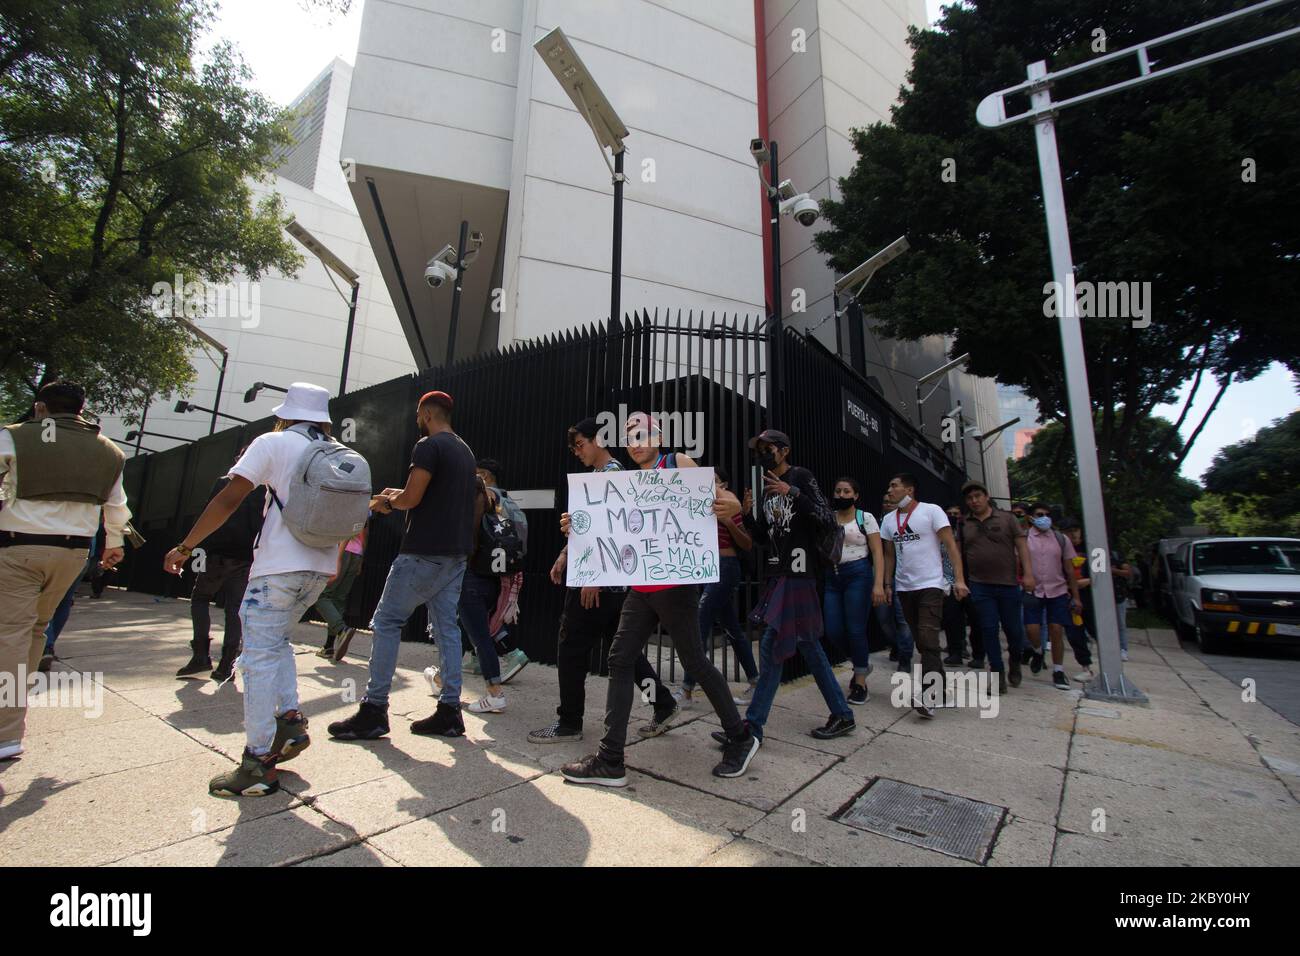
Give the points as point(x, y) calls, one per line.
point(438, 398)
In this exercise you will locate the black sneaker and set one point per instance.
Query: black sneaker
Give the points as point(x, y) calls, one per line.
point(1060, 681)
point(736, 755)
point(370, 722)
point(1013, 678)
point(835, 727)
point(223, 671)
point(1002, 681)
point(444, 722)
point(661, 720)
point(977, 663)
point(721, 735)
point(954, 660)
point(1035, 662)
point(922, 709)
point(893, 653)
point(595, 769)
point(858, 693)
point(557, 733)
point(197, 665)
point(905, 666)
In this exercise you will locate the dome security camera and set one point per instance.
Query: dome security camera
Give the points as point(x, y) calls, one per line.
point(438, 272)
point(804, 209)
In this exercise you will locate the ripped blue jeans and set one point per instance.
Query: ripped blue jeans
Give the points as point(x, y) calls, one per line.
point(272, 605)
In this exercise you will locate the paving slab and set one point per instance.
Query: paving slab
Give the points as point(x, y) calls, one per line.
point(360, 854)
point(743, 852)
point(1023, 842)
point(291, 835)
point(549, 822)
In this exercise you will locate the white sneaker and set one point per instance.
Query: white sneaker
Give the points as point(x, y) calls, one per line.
point(10, 749)
point(1085, 675)
point(744, 698)
point(487, 704)
point(435, 682)
point(683, 697)
point(1123, 655)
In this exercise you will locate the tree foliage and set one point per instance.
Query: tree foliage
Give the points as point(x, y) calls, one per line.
point(1264, 468)
point(1156, 191)
point(123, 162)
point(1138, 511)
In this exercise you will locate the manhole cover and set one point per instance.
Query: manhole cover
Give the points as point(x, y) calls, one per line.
point(937, 821)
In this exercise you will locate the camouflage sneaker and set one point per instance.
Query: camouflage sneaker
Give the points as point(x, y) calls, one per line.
point(291, 736)
point(254, 777)
point(660, 722)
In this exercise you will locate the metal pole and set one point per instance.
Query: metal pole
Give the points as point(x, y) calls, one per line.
point(221, 381)
point(616, 267)
point(1110, 683)
point(144, 414)
point(775, 381)
point(347, 342)
point(455, 295)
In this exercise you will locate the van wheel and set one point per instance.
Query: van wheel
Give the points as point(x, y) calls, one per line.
point(1211, 643)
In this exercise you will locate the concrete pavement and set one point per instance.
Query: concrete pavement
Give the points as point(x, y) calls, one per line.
point(1198, 777)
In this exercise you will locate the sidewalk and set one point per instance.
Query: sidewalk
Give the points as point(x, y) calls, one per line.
point(1198, 777)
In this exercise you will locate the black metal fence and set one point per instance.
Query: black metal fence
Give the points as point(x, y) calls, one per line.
point(515, 405)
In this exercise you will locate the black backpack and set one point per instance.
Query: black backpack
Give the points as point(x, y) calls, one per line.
point(498, 536)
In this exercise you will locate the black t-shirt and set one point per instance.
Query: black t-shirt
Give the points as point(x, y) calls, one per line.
point(793, 525)
point(443, 521)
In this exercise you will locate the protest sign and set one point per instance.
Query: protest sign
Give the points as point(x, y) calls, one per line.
point(646, 526)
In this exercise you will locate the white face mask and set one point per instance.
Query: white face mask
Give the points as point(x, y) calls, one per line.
point(904, 501)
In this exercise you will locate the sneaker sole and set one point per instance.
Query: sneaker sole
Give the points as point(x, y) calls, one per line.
point(553, 740)
point(511, 675)
point(256, 790)
point(349, 735)
point(838, 733)
point(1061, 686)
point(755, 744)
point(657, 729)
point(598, 781)
point(491, 710)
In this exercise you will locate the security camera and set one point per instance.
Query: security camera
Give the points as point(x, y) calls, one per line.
point(437, 272)
point(475, 247)
point(786, 189)
point(804, 209)
point(954, 411)
point(758, 149)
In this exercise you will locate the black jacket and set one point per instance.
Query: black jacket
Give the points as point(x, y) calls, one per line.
point(235, 538)
point(793, 525)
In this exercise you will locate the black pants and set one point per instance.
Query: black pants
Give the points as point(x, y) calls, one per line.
point(678, 609)
point(581, 630)
point(228, 577)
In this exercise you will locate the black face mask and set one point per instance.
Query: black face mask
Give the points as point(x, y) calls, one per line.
point(768, 460)
point(842, 504)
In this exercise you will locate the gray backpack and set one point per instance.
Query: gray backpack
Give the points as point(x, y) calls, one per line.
point(329, 494)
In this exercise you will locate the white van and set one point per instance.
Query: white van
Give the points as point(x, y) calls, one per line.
point(1231, 589)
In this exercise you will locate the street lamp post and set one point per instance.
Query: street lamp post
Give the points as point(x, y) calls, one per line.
point(930, 377)
point(1111, 684)
point(183, 406)
point(332, 263)
point(853, 283)
point(564, 63)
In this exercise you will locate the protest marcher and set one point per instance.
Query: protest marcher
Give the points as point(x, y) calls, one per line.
point(993, 546)
point(1082, 626)
point(333, 601)
point(590, 620)
point(958, 616)
point(58, 475)
point(223, 568)
point(286, 578)
point(890, 615)
point(512, 660)
point(439, 499)
point(1054, 596)
point(919, 532)
point(855, 586)
point(793, 518)
point(718, 602)
point(677, 608)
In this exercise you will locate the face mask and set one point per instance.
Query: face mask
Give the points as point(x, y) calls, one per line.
point(904, 502)
point(1043, 523)
point(768, 460)
point(842, 504)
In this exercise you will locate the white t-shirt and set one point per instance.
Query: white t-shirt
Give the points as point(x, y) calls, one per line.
point(855, 542)
point(270, 461)
point(918, 559)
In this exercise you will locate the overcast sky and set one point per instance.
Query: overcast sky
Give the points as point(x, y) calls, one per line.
point(283, 69)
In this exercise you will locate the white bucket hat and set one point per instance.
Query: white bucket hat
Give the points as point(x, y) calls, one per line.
point(304, 402)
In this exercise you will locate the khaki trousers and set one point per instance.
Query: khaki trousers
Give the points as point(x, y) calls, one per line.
point(33, 580)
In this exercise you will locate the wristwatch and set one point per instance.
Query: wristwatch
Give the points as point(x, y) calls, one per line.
point(184, 551)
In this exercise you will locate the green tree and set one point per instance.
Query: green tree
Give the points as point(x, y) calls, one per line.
point(1138, 509)
point(123, 162)
point(1243, 515)
point(1156, 191)
point(1265, 468)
